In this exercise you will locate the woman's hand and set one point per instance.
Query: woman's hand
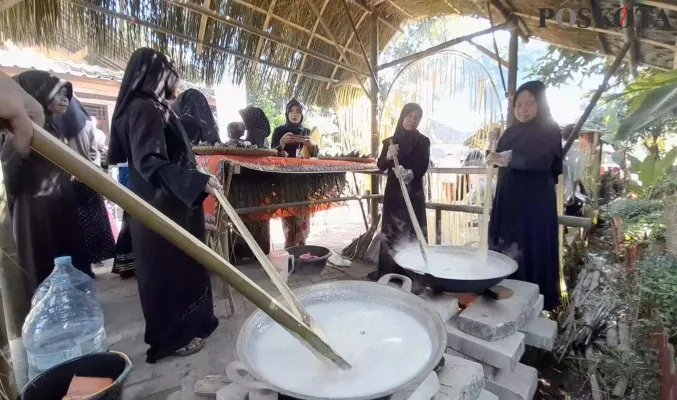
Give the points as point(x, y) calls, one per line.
point(393, 150)
point(501, 159)
point(213, 186)
point(285, 139)
point(308, 143)
point(406, 174)
point(494, 135)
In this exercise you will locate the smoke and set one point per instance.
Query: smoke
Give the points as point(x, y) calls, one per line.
point(511, 250)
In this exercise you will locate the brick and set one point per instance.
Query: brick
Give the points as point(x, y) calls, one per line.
point(540, 333)
point(538, 307)
point(233, 392)
point(487, 395)
point(460, 379)
point(503, 353)
point(446, 306)
point(429, 386)
point(497, 319)
point(488, 370)
point(519, 384)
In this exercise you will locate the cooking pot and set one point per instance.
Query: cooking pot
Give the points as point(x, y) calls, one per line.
point(360, 320)
point(461, 269)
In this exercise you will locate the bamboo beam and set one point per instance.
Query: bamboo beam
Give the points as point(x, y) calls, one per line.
point(631, 37)
point(657, 4)
point(400, 9)
point(440, 47)
point(169, 32)
point(374, 96)
point(266, 22)
point(595, 53)
point(601, 30)
point(489, 53)
point(207, 5)
point(252, 29)
point(595, 97)
point(310, 41)
point(288, 23)
point(364, 7)
point(359, 40)
point(513, 48)
point(674, 59)
point(523, 31)
point(595, 17)
point(350, 39)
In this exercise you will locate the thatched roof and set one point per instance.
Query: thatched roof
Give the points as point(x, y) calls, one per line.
point(308, 43)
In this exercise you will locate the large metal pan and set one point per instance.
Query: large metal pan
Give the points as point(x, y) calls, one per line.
point(349, 299)
point(482, 277)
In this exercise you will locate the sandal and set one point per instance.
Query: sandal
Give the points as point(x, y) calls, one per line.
point(192, 347)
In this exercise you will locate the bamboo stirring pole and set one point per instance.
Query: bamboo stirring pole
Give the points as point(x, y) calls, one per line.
point(488, 198)
point(64, 157)
point(417, 228)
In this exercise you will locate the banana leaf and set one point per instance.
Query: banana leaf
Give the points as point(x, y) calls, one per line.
point(656, 104)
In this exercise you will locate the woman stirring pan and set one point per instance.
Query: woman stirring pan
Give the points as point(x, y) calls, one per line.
point(523, 222)
point(175, 291)
point(413, 152)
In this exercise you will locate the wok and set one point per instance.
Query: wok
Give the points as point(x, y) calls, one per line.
point(254, 371)
point(441, 277)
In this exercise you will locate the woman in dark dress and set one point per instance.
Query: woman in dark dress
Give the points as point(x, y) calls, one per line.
point(523, 221)
point(196, 117)
point(296, 228)
point(257, 125)
point(40, 195)
point(76, 126)
point(175, 291)
point(413, 153)
point(123, 262)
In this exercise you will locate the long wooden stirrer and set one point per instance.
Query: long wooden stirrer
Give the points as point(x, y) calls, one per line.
point(294, 304)
point(488, 198)
point(417, 228)
point(64, 157)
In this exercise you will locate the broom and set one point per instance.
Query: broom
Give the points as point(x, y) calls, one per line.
point(358, 247)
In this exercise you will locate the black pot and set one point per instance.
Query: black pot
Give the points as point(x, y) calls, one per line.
point(309, 267)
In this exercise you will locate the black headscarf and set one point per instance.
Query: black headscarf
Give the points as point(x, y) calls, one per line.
point(297, 129)
point(541, 135)
point(149, 74)
point(256, 123)
point(43, 86)
point(73, 121)
point(193, 106)
point(402, 137)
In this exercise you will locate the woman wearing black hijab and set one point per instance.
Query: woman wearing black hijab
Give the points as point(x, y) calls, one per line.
point(175, 290)
point(196, 117)
point(523, 221)
point(77, 127)
point(40, 195)
point(413, 153)
point(257, 125)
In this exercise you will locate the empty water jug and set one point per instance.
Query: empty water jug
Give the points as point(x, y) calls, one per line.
point(78, 279)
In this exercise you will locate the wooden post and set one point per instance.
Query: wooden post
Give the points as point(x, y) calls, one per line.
point(438, 226)
point(512, 71)
point(374, 94)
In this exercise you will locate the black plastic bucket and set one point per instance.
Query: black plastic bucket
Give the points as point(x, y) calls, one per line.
point(53, 383)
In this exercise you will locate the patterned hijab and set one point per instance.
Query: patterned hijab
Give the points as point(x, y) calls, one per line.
point(194, 105)
point(256, 123)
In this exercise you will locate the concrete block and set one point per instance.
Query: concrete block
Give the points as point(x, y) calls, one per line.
point(519, 384)
point(488, 370)
point(447, 306)
point(233, 392)
point(540, 333)
point(262, 395)
point(497, 319)
point(538, 307)
point(460, 379)
point(503, 353)
point(423, 391)
point(487, 395)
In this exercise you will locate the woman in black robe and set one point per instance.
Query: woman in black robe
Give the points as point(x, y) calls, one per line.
point(196, 117)
point(413, 153)
point(285, 139)
point(257, 125)
point(175, 291)
point(40, 195)
point(76, 126)
point(523, 221)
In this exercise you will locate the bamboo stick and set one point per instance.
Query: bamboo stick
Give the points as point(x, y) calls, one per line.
point(417, 227)
point(488, 198)
point(64, 157)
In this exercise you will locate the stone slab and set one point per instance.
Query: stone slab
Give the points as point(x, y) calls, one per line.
point(233, 391)
point(538, 307)
point(492, 320)
point(447, 306)
point(488, 370)
point(503, 353)
point(540, 333)
point(424, 391)
point(460, 379)
point(487, 395)
point(519, 384)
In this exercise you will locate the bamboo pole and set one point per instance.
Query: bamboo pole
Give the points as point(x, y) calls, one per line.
point(63, 156)
point(364, 51)
point(488, 198)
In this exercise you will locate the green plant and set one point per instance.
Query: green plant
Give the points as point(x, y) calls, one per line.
point(642, 218)
point(658, 286)
point(651, 170)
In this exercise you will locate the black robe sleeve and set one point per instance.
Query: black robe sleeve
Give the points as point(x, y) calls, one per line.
point(421, 161)
point(383, 163)
point(277, 135)
point(12, 163)
point(150, 158)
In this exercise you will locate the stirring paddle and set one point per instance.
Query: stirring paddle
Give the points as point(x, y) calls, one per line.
point(488, 198)
point(64, 157)
point(417, 228)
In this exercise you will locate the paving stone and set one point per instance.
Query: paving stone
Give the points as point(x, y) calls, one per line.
point(489, 370)
point(460, 379)
point(424, 391)
point(503, 353)
point(519, 384)
point(538, 307)
point(497, 319)
point(262, 395)
point(487, 395)
point(540, 333)
point(233, 392)
point(446, 306)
